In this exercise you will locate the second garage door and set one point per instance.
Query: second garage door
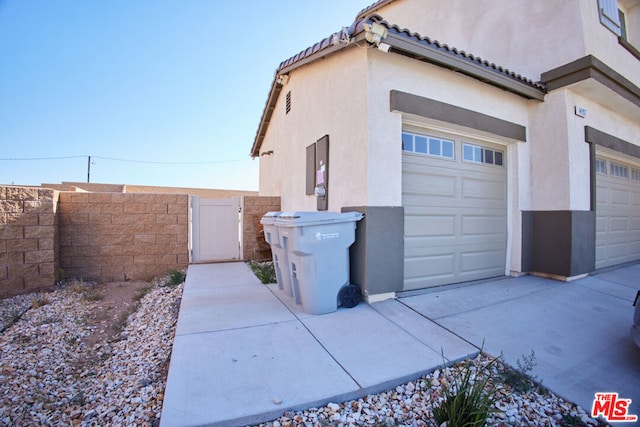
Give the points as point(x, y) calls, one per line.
point(617, 211)
point(454, 193)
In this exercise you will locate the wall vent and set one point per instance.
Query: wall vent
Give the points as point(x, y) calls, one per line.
point(288, 103)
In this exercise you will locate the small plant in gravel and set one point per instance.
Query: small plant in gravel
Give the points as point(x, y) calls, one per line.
point(470, 398)
point(572, 421)
point(520, 379)
point(176, 277)
point(11, 317)
point(87, 290)
point(38, 301)
point(264, 271)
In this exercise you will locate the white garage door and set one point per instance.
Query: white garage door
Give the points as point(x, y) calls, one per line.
point(617, 211)
point(454, 193)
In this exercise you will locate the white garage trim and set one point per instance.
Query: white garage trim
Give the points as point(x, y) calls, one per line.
point(456, 210)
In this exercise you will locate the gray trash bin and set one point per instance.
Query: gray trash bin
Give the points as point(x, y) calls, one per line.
point(278, 252)
point(317, 245)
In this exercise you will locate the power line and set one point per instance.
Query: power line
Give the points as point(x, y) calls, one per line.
point(167, 163)
point(42, 158)
point(122, 160)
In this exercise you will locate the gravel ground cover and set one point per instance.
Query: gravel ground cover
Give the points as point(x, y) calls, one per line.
point(49, 377)
point(519, 402)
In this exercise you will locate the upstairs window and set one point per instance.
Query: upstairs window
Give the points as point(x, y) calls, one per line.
point(610, 16)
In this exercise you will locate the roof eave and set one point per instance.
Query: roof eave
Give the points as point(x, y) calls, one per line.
point(274, 92)
point(276, 88)
point(423, 52)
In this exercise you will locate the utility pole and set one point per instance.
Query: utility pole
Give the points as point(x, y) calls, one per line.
point(89, 169)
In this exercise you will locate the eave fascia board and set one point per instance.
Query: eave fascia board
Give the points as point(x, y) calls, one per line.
point(270, 106)
point(429, 54)
point(320, 54)
point(276, 87)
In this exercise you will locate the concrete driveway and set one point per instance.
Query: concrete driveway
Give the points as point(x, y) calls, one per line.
point(578, 330)
point(245, 352)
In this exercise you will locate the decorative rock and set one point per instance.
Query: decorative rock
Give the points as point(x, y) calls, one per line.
point(49, 377)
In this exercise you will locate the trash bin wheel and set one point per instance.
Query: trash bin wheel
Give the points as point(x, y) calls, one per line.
point(350, 296)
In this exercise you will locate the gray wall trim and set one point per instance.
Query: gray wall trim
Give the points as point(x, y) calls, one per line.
point(591, 67)
point(560, 243)
point(595, 136)
point(377, 256)
point(425, 107)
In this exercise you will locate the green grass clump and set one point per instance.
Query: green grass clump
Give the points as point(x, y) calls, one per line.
point(263, 271)
point(470, 397)
point(175, 277)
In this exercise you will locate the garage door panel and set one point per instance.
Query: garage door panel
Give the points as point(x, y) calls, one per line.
point(438, 265)
point(443, 186)
point(471, 262)
point(619, 224)
point(483, 225)
point(619, 197)
point(483, 189)
point(432, 225)
point(426, 202)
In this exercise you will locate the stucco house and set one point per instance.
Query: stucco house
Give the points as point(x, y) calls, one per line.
point(480, 139)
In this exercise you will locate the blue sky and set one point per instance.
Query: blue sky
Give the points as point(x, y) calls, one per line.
point(179, 81)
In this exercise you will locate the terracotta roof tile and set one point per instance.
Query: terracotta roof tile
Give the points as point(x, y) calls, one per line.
point(358, 26)
point(452, 50)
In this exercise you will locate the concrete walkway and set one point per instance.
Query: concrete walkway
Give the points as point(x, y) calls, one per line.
point(245, 353)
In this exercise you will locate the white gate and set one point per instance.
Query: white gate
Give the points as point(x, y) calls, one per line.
point(215, 229)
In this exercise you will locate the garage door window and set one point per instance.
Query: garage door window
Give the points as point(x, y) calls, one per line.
point(476, 154)
point(619, 170)
point(601, 167)
point(635, 174)
point(429, 145)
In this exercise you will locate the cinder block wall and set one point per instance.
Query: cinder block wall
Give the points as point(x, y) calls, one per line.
point(28, 232)
point(255, 247)
point(122, 236)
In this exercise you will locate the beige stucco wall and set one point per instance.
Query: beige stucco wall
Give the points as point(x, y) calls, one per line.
point(506, 32)
point(603, 44)
point(326, 100)
point(528, 37)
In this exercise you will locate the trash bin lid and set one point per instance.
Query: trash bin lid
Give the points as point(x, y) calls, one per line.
point(269, 217)
point(297, 218)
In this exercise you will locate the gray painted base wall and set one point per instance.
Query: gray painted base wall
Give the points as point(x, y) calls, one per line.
point(560, 243)
point(377, 256)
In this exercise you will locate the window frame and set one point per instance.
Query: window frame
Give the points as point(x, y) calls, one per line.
point(476, 148)
point(618, 170)
point(610, 18)
point(428, 141)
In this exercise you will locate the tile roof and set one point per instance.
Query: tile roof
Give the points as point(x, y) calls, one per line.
point(406, 41)
point(404, 32)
